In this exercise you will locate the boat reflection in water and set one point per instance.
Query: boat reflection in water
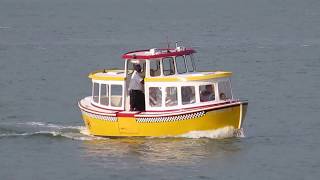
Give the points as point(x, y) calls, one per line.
point(160, 151)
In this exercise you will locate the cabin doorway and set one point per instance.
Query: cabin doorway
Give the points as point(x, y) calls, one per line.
point(129, 71)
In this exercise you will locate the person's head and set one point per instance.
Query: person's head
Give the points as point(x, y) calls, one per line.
point(209, 88)
point(153, 91)
point(137, 67)
point(223, 96)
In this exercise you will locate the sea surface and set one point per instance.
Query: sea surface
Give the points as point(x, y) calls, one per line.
point(48, 47)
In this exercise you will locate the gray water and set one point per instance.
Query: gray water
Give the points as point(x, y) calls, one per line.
point(48, 47)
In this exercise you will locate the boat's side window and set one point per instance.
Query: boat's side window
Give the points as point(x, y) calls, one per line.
point(224, 89)
point(189, 63)
point(168, 66)
point(95, 92)
point(130, 67)
point(155, 68)
point(155, 97)
point(116, 95)
point(132, 63)
point(181, 66)
point(104, 94)
point(143, 68)
point(188, 95)
point(171, 96)
point(207, 93)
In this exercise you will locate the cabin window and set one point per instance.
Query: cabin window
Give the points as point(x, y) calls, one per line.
point(181, 66)
point(143, 68)
point(188, 95)
point(189, 63)
point(95, 92)
point(155, 97)
point(171, 96)
point(129, 67)
point(207, 93)
point(155, 68)
point(104, 94)
point(168, 66)
point(132, 63)
point(224, 90)
point(116, 95)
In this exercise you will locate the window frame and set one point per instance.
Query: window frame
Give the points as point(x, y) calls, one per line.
point(184, 64)
point(166, 95)
point(179, 86)
point(192, 62)
point(94, 92)
point(149, 67)
point(215, 90)
point(107, 90)
point(228, 80)
point(161, 96)
point(110, 97)
point(109, 84)
point(162, 64)
point(195, 94)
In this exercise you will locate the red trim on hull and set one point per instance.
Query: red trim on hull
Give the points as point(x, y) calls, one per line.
point(127, 114)
point(97, 106)
point(94, 111)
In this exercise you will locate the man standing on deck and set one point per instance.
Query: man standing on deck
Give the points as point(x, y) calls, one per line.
point(137, 102)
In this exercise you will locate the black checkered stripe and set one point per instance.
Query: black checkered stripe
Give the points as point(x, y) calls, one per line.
point(97, 116)
point(170, 118)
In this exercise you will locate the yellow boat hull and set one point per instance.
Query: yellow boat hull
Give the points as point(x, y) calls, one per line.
point(228, 116)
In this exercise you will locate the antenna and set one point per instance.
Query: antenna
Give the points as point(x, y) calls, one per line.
point(168, 43)
point(177, 43)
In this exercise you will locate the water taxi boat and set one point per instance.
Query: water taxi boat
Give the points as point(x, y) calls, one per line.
point(178, 98)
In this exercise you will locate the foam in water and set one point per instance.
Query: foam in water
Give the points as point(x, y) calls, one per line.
point(81, 132)
point(54, 126)
point(220, 133)
point(54, 130)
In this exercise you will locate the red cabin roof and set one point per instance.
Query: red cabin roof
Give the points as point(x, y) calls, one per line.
point(157, 53)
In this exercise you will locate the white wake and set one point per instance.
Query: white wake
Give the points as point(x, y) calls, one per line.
point(81, 133)
point(54, 130)
point(226, 132)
